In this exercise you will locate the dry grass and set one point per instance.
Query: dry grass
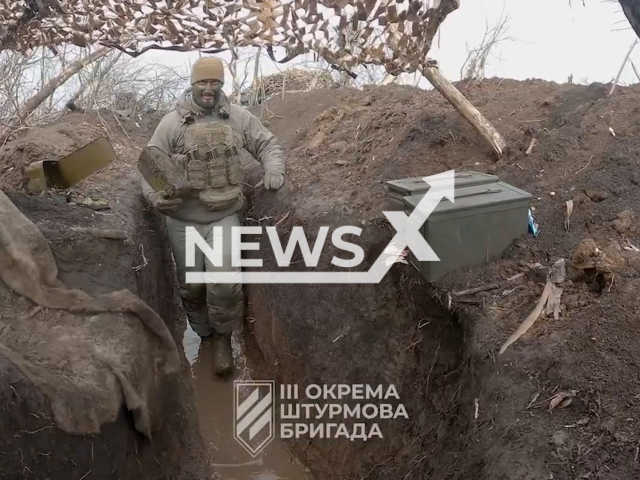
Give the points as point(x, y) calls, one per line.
point(291, 80)
point(476, 62)
point(37, 88)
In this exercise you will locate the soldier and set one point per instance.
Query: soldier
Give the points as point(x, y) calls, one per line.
point(202, 137)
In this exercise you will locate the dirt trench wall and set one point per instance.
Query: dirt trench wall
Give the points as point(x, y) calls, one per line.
point(391, 333)
point(31, 446)
point(385, 334)
point(497, 415)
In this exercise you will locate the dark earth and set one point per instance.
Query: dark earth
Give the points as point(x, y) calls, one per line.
point(472, 412)
point(31, 446)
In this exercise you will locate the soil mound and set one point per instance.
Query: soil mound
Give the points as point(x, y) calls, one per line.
point(81, 381)
point(72, 131)
point(474, 414)
point(82, 396)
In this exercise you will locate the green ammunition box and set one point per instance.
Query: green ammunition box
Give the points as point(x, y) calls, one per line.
point(398, 189)
point(161, 173)
point(474, 230)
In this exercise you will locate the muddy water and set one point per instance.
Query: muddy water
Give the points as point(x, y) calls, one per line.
point(215, 408)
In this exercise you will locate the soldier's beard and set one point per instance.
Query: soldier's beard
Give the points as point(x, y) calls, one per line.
point(206, 99)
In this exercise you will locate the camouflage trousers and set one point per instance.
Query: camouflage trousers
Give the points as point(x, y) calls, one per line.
point(210, 307)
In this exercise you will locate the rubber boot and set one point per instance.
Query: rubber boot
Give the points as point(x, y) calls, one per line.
point(223, 354)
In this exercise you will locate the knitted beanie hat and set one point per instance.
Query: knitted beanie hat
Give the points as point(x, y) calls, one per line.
point(207, 68)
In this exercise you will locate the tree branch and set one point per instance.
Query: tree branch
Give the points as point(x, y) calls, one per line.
point(35, 101)
point(464, 107)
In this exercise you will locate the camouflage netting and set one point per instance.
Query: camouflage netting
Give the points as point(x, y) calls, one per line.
point(393, 33)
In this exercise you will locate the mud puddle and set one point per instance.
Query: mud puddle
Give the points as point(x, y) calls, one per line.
point(215, 409)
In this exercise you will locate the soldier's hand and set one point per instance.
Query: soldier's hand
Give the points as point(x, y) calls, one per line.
point(273, 181)
point(180, 160)
point(164, 204)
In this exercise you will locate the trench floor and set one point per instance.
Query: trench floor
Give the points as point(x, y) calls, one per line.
point(215, 408)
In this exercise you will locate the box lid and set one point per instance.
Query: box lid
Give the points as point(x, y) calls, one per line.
point(408, 186)
point(470, 198)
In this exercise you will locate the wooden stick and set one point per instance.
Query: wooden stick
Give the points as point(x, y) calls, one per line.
point(515, 277)
point(483, 288)
point(531, 145)
point(635, 70)
point(624, 62)
point(36, 100)
point(464, 107)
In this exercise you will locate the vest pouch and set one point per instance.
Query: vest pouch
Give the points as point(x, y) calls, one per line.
point(214, 199)
point(217, 169)
point(195, 170)
point(234, 166)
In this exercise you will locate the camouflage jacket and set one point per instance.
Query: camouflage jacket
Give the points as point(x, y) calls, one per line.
point(249, 133)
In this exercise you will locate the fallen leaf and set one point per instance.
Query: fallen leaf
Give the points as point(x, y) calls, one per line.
point(561, 400)
point(566, 402)
point(568, 214)
point(530, 320)
point(553, 303)
point(558, 271)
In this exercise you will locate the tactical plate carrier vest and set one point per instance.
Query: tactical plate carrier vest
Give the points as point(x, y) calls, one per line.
point(213, 164)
